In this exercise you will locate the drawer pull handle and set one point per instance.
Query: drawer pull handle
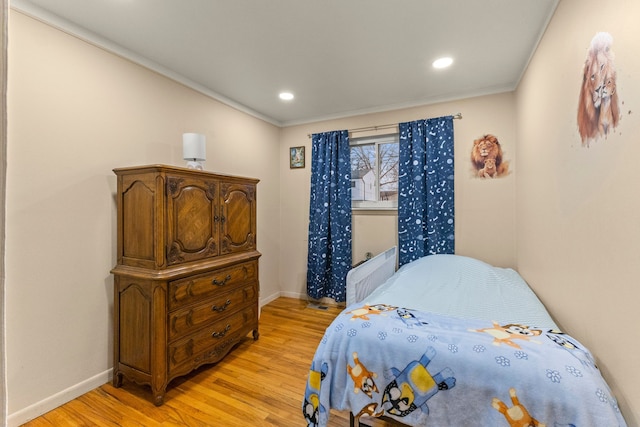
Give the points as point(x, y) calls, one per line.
point(221, 334)
point(223, 308)
point(219, 283)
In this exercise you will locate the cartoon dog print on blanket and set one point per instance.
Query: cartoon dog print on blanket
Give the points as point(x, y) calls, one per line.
point(362, 377)
point(414, 385)
point(517, 415)
point(369, 411)
point(365, 311)
point(574, 349)
point(409, 319)
point(507, 333)
point(311, 407)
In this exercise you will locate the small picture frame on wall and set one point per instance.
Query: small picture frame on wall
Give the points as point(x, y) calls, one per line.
point(296, 157)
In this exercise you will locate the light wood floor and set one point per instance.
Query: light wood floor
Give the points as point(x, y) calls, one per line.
point(260, 383)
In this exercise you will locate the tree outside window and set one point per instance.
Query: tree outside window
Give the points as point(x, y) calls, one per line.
point(374, 172)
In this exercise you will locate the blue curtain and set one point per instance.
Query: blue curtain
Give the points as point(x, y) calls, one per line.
point(329, 256)
point(425, 184)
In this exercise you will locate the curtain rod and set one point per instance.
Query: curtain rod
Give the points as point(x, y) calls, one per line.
point(387, 126)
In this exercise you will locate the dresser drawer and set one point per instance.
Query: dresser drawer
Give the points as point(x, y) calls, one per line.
point(195, 289)
point(213, 342)
point(187, 320)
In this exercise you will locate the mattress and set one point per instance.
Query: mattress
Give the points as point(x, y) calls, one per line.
point(463, 287)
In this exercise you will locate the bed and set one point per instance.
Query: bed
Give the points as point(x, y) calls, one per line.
point(449, 340)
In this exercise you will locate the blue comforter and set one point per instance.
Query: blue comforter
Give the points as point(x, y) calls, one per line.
point(425, 369)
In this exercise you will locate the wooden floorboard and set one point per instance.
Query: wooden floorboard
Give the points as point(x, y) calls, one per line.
point(260, 383)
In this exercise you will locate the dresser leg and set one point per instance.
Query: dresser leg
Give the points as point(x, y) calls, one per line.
point(256, 334)
point(158, 398)
point(117, 379)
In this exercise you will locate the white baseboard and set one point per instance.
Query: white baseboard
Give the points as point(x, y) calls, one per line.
point(267, 300)
point(296, 295)
point(300, 296)
point(39, 408)
point(274, 296)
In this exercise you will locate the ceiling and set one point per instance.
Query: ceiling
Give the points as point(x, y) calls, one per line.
point(338, 57)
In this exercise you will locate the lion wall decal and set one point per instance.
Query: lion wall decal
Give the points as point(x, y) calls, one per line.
point(487, 157)
point(598, 105)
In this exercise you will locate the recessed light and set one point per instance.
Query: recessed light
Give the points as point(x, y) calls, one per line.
point(286, 96)
point(442, 62)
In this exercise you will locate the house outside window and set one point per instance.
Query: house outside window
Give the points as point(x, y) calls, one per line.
point(374, 173)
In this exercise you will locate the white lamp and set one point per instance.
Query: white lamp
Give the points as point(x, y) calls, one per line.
point(194, 149)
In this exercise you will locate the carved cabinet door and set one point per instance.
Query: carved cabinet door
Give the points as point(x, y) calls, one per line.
point(192, 215)
point(238, 217)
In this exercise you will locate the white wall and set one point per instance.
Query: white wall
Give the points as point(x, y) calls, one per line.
point(577, 207)
point(75, 113)
point(485, 213)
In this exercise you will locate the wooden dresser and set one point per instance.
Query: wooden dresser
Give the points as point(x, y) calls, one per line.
point(186, 280)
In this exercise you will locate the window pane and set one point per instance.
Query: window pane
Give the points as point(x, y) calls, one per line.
point(363, 172)
point(374, 172)
point(388, 171)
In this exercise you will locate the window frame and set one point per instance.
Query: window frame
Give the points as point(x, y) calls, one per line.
point(377, 205)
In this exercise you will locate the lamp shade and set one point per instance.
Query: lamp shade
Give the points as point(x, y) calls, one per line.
point(194, 146)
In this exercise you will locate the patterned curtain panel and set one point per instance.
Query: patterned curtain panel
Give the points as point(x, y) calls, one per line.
point(329, 257)
point(425, 183)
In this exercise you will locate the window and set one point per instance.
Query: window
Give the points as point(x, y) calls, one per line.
point(374, 172)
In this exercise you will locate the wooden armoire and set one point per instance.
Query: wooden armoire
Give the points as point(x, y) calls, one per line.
point(186, 280)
